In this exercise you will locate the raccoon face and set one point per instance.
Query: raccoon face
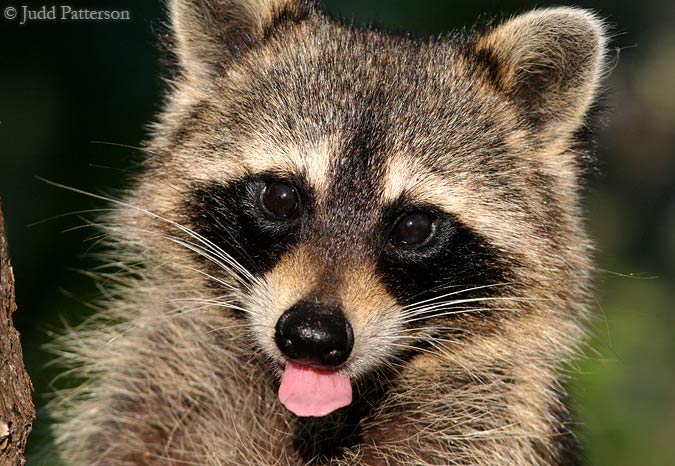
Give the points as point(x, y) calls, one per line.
point(375, 203)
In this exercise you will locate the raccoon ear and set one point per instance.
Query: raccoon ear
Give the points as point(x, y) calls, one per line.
point(549, 62)
point(210, 33)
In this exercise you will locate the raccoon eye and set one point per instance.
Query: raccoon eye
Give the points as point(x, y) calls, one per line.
point(412, 229)
point(280, 200)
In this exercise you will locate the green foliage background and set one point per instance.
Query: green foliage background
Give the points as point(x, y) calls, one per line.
point(64, 85)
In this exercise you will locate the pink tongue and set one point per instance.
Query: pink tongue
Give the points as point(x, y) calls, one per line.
point(312, 392)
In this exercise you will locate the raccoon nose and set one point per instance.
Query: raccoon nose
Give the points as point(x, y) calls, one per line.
point(311, 335)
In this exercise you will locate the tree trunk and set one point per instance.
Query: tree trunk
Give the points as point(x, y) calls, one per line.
point(16, 405)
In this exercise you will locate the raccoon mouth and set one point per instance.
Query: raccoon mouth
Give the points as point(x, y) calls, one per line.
point(309, 392)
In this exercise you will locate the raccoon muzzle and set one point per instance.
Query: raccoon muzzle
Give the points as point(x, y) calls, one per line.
point(315, 340)
point(309, 336)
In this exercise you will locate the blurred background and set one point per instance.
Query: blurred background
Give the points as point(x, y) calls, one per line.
point(66, 85)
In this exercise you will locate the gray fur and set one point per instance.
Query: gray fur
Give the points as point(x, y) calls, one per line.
point(482, 127)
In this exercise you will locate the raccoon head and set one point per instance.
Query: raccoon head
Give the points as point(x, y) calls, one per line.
point(376, 203)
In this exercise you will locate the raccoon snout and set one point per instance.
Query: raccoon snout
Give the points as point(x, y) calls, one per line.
point(313, 335)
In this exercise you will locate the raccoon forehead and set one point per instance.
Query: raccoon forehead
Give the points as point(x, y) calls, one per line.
point(311, 160)
point(490, 196)
point(292, 107)
point(410, 177)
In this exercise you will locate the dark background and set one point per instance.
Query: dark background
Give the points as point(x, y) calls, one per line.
point(66, 84)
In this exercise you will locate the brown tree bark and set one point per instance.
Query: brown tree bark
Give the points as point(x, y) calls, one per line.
point(16, 404)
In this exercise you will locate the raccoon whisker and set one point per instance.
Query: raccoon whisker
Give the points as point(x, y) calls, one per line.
point(418, 308)
point(395, 363)
point(205, 254)
point(218, 299)
point(126, 266)
point(489, 298)
point(489, 432)
point(412, 348)
point(448, 310)
point(70, 214)
point(128, 146)
point(98, 277)
point(434, 341)
point(431, 329)
point(205, 305)
point(221, 282)
point(464, 290)
point(430, 310)
point(245, 325)
point(232, 238)
point(225, 284)
point(219, 253)
point(221, 226)
point(188, 245)
point(435, 306)
point(228, 327)
point(412, 307)
point(154, 215)
point(84, 226)
point(431, 339)
point(178, 313)
point(439, 346)
point(467, 310)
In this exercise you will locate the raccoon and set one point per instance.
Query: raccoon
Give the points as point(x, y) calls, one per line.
point(347, 247)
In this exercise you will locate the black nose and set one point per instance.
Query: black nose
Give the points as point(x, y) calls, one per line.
point(311, 334)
